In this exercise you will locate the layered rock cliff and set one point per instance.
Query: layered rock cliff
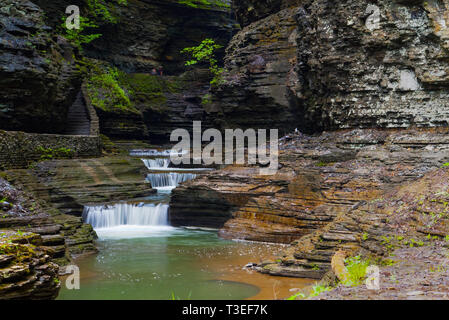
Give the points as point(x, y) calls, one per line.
point(320, 65)
point(319, 176)
point(151, 33)
point(38, 79)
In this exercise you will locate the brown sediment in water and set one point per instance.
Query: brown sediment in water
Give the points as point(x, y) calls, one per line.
point(231, 267)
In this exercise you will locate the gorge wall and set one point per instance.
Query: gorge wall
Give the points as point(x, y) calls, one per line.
point(42, 72)
point(322, 65)
point(151, 33)
point(38, 79)
point(372, 100)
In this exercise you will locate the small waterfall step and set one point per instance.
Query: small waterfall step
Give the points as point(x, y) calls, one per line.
point(78, 122)
point(123, 214)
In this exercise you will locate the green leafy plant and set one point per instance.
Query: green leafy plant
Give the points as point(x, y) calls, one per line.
point(356, 270)
point(97, 12)
point(78, 37)
point(296, 296)
point(205, 53)
point(318, 289)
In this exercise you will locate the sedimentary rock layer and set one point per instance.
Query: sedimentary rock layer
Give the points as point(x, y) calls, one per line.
point(320, 65)
point(150, 33)
point(38, 80)
point(319, 178)
point(26, 271)
point(70, 184)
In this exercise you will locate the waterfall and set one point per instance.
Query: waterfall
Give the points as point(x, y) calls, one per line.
point(123, 214)
point(169, 180)
point(160, 163)
point(166, 181)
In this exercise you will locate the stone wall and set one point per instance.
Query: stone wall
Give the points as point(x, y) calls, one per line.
point(19, 149)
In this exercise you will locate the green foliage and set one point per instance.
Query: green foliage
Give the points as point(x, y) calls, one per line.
point(296, 296)
point(356, 270)
point(77, 36)
point(206, 99)
point(60, 153)
point(100, 10)
point(174, 298)
point(205, 3)
point(106, 92)
point(97, 12)
point(318, 289)
point(205, 53)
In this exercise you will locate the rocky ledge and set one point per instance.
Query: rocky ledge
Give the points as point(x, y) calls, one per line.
point(321, 178)
point(64, 235)
point(26, 271)
point(68, 185)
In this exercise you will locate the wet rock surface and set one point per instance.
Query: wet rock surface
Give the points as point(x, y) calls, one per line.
point(26, 270)
point(321, 65)
point(70, 184)
point(411, 215)
point(63, 235)
point(321, 179)
point(38, 81)
point(151, 33)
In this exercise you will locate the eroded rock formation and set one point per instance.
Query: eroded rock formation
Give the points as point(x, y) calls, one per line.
point(26, 271)
point(320, 179)
point(151, 33)
point(38, 81)
point(320, 65)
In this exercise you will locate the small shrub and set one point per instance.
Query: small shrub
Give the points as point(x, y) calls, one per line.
point(356, 270)
point(205, 52)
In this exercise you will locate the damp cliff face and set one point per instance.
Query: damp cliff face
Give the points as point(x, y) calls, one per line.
point(41, 73)
point(25, 210)
point(320, 65)
point(326, 65)
point(37, 78)
point(151, 33)
point(319, 177)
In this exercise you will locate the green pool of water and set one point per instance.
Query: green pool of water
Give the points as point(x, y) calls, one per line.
point(158, 264)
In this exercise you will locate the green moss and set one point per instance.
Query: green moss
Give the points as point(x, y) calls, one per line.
point(150, 91)
point(106, 92)
point(205, 4)
point(59, 153)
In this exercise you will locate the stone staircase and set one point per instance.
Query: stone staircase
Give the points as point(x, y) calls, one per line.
point(78, 121)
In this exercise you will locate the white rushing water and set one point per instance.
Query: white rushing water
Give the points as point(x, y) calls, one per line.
point(124, 220)
point(156, 164)
point(168, 181)
point(126, 214)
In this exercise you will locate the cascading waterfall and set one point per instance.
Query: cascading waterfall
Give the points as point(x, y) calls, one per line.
point(166, 181)
point(169, 180)
point(123, 214)
point(160, 163)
